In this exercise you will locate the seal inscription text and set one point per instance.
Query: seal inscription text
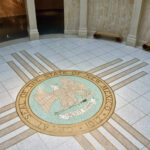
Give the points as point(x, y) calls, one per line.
point(46, 100)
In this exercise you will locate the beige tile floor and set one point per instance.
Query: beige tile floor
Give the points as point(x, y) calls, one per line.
point(133, 98)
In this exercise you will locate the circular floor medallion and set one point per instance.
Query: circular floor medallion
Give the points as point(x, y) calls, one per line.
point(65, 103)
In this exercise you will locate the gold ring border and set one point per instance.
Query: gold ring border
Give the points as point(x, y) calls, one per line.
point(60, 129)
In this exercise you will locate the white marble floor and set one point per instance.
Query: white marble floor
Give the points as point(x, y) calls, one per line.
point(133, 100)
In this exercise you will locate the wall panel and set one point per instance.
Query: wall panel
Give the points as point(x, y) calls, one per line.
point(110, 15)
point(144, 28)
point(49, 4)
point(9, 8)
point(72, 10)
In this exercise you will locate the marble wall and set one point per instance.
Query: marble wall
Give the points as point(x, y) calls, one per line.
point(108, 16)
point(144, 28)
point(71, 13)
point(103, 15)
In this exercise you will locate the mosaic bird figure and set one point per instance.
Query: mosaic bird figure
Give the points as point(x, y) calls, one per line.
point(66, 93)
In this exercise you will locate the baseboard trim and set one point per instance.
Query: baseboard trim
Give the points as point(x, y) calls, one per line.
point(71, 32)
point(141, 42)
point(11, 42)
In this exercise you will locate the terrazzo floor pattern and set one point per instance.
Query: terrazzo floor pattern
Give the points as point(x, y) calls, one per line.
point(132, 98)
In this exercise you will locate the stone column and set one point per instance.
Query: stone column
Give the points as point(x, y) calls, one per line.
point(32, 23)
point(135, 20)
point(65, 16)
point(83, 18)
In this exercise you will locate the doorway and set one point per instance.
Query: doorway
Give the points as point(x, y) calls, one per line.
point(50, 16)
point(13, 20)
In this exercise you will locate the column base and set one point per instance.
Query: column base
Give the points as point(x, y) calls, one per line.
point(83, 33)
point(131, 40)
point(33, 34)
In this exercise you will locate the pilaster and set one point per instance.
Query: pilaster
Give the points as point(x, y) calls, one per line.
point(32, 22)
point(83, 18)
point(135, 20)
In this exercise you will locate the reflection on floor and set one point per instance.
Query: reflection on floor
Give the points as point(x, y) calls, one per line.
point(16, 27)
point(125, 69)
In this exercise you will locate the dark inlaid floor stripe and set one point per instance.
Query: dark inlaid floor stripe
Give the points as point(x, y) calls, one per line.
point(101, 67)
point(84, 142)
point(18, 138)
point(137, 135)
point(119, 67)
point(8, 117)
point(103, 140)
point(128, 80)
point(34, 61)
point(18, 71)
point(126, 72)
point(46, 61)
point(25, 64)
point(11, 128)
point(7, 107)
point(121, 138)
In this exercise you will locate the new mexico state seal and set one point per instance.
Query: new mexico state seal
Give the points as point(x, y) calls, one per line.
point(65, 103)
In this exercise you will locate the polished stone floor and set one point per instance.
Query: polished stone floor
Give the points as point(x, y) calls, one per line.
point(126, 69)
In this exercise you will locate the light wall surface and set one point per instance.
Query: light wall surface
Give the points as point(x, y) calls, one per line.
point(109, 16)
point(103, 15)
point(144, 28)
point(72, 12)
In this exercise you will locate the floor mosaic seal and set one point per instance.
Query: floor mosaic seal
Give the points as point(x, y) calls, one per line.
point(65, 103)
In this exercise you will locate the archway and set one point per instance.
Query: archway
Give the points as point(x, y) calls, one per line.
point(50, 16)
point(13, 20)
